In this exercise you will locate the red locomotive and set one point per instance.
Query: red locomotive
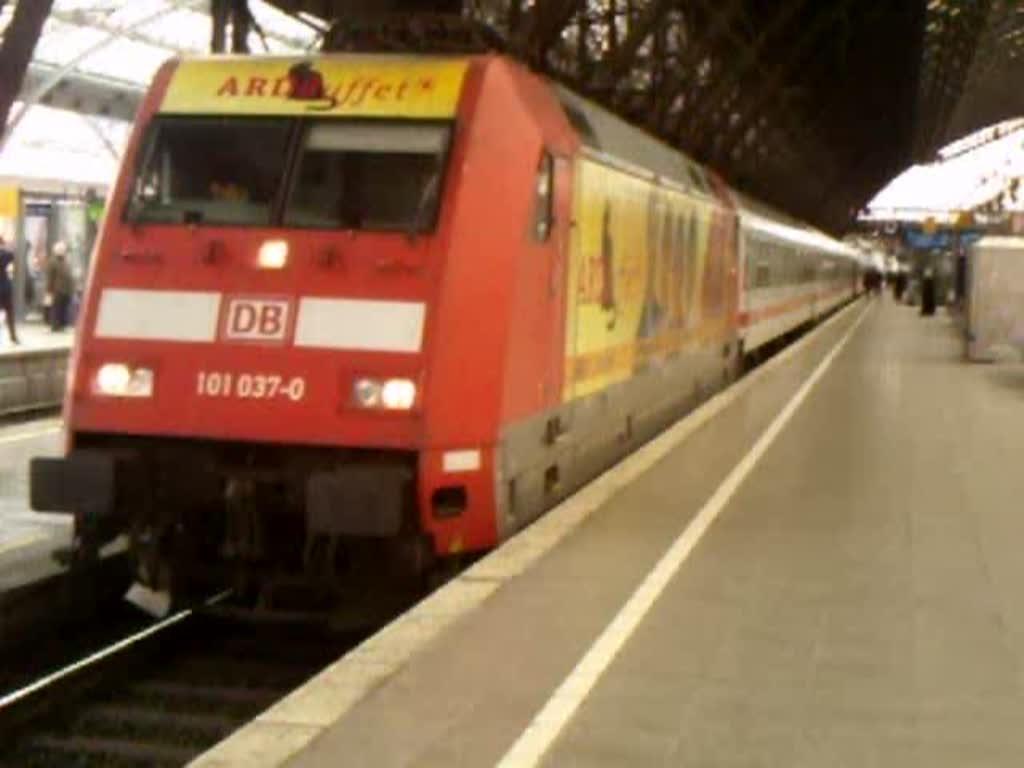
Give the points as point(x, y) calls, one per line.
point(360, 310)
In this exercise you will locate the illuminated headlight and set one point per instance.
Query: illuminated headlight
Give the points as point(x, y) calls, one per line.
point(398, 394)
point(389, 394)
point(120, 380)
point(273, 254)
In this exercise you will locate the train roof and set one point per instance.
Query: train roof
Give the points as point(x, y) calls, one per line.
point(751, 207)
point(606, 133)
point(789, 230)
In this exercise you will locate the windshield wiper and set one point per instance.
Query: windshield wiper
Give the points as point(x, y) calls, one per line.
point(428, 197)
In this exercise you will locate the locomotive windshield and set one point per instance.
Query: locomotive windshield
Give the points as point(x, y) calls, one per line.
point(211, 170)
point(364, 175)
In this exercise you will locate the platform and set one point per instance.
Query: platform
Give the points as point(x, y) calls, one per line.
point(854, 596)
point(39, 597)
point(26, 538)
point(32, 373)
point(34, 336)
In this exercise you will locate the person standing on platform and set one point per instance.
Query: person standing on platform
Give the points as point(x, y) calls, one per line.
point(59, 285)
point(928, 292)
point(899, 285)
point(7, 288)
point(873, 282)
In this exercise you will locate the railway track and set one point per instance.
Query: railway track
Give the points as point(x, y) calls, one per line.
point(164, 695)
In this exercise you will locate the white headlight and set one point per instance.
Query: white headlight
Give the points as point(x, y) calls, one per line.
point(273, 254)
point(141, 384)
point(366, 393)
point(113, 378)
point(389, 394)
point(120, 380)
point(398, 394)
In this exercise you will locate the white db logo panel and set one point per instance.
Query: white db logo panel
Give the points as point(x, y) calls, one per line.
point(251, 319)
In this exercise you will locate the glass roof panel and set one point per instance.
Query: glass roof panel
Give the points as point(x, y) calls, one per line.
point(129, 41)
point(58, 147)
point(119, 42)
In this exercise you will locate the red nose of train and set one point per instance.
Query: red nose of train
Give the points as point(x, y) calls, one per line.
point(302, 336)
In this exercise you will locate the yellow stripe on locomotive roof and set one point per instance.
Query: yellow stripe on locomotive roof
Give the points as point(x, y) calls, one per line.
point(322, 85)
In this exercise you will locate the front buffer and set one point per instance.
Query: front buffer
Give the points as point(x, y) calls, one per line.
point(283, 526)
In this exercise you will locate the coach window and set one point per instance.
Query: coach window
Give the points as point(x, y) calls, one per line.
point(773, 265)
point(762, 265)
point(543, 203)
point(809, 268)
point(790, 265)
point(753, 249)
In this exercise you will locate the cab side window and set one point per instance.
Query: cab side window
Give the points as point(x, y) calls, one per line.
point(544, 199)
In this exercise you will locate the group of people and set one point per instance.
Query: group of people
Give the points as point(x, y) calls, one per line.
point(873, 281)
point(60, 286)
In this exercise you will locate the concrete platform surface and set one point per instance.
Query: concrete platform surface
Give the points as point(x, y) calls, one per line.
point(35, 336)
point(26, 538)
point(33, 373)
point(855, 599)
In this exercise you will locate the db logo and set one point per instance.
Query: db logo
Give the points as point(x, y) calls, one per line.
point(249, 319)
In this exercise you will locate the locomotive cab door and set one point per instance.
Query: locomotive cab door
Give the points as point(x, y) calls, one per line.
point(536, 456)
point(558, 252)
point(551, 231)
point(558, 475)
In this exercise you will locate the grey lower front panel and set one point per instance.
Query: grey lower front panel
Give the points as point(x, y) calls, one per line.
point(544, 459)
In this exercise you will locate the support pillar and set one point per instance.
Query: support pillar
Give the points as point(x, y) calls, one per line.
point(219, 18)
point(16, 50)
point(233, 13)
point(241, 23)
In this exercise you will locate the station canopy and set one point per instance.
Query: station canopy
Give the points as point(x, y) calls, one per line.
point(808, 106)
point(979, 174)
point(90, 69)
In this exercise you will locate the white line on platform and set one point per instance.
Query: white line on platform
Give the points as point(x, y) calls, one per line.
point(21, 543)
point(546, 726)
point(17, 438)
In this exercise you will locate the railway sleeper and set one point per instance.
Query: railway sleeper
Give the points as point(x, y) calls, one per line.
point(159, 720)
point(124, 749)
